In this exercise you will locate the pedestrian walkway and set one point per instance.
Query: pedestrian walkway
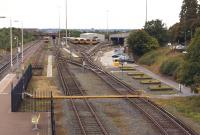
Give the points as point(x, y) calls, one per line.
point(184, 90)
point(6, 81)
point(107, 61)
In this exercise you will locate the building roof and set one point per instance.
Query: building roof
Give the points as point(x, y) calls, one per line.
point(91, 34)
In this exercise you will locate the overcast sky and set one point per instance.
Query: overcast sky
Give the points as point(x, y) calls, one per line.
point(123, 14)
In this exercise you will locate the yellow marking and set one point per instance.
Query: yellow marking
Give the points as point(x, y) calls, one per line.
point(91, 97)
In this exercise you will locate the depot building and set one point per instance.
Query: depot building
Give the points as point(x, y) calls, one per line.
point(98, 37)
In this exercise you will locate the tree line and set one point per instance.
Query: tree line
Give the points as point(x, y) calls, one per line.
point(186, 32)
point(5, 37)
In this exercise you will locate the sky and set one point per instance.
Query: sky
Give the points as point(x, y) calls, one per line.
point(87, 14)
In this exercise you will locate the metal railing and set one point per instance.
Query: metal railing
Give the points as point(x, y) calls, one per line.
point(53, 125)
point(17, 91)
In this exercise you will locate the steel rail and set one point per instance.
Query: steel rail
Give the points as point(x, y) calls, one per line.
point(181, 128)
point(67, 91)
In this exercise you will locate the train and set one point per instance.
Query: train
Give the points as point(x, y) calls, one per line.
point(82, 41)
point(73, 40)
point(46, 39)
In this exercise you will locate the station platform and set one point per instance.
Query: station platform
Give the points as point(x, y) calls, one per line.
point(6, 82)
point(17, 123)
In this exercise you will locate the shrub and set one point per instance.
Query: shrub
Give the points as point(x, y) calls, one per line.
point(149, 58)
point(171, 66)
point(141, 42)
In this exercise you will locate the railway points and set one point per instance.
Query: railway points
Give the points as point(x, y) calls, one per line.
point(72, 53)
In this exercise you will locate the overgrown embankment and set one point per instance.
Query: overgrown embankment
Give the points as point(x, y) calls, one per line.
point(162, 61)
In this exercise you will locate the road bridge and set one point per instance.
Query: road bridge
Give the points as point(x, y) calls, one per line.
point(119, 38)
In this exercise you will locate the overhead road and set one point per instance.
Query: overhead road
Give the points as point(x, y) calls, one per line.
point(119, 38)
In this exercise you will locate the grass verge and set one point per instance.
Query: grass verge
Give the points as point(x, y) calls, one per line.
point(150, 81)
point(142, 77)
point(160, 87)
point(126, 68)
point(135, 73)
point(185, 108)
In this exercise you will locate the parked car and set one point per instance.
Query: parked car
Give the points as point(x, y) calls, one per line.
point(116, 55)
point(130, 61)
point(123, 57)
point(180, 47)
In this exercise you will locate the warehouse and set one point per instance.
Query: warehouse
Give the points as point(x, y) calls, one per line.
point(99, 37)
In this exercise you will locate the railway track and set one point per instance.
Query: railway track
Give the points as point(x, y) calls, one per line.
point(163, 120)
point(6, 66)
point(37, 64)
point(86, 118)
point(90, 49)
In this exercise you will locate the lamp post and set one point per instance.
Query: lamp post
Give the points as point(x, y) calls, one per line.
point(59, 40)
point(17, 39)
point(66, 25)
point(22, 38)
point(107, 11)
point(11, 41)
point(22, 43)
point(146, 12)
point(70, 51)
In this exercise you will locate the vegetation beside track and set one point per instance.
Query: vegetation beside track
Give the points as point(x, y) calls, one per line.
point(186, 108)
point(162, 61)
point(160, 87)
point(5, 38)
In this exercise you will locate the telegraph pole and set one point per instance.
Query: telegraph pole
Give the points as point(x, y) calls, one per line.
point(66, 25)
point(146, 11)
point(107, 11)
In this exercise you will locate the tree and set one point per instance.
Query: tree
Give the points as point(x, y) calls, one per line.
point(189, 10)
point(141, 42)
point(190, 70)
point(5, 37)
point(174, 33)
point(158, 30)
point(71, 33)
point(189, 19)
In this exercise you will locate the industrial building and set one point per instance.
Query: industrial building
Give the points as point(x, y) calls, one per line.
point(119, 38)
point(98, 37)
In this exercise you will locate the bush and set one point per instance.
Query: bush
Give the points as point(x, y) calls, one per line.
point(149, 58)
point(190, 70)
point(171, 66)
point(141, 42)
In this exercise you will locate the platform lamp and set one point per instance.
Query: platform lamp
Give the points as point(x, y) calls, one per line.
point(59, 36)
point(66, 25)
point(11, 40)
point(22, 38)
point(146, 12)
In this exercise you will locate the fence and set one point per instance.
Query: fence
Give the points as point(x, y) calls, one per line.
point(53, 125)
point(16, 93)
point(30, 104)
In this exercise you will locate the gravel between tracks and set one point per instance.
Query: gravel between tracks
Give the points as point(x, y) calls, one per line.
point(119, 116)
